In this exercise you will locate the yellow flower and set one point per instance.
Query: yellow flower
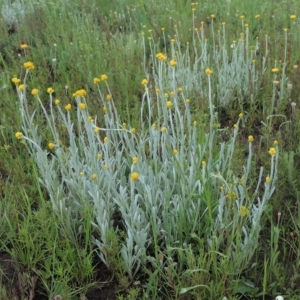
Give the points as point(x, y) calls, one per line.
point(161, 56)
point(134, 159)
point(235, 126)
point(275, 142)
point(144, 82)
point(208, 71)
point(193, 9)
point(173, 63)
point(195, 123)
point(250, 138)
point(34, 92)
point(94, 176)
point(18, 135)
point(81, 173)
point(257, 16)
point(90, 119)
point(21, 87)
point(133, 130)
point(166, 95)
point(16, 80)
point(51, 146)
point(96, 80)
point(242, 17)
point(106, 139)
point(104, 108)
point(96, 129)
point(104, 77)
point(108, 97)
point(82, 106)
point(275, 70)
point(80, 93)
point(293, 16)
point(244, 212)
point(203, 163)
point(29, 65)
point(241, 115)
point(172, 94)
point(180, 89)
point(50, 90)
point(169, 104)
point(163, 129)
point(172, 41)
point(187, 100)
point(175, 151)
point(56, 101)
point(134, 176)
point(99, 155)
point(105, 166)
point(268, 179)
point(212, 16)
point(272, 151)
point(24, 46)
point(68, 107)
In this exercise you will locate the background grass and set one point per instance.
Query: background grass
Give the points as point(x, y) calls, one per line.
point(72, 42)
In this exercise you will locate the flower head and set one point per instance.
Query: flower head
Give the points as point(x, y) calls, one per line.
point(173, 63)
point(34, 92)
point(175, 151)
point(250, 138)
point(80, 93)
point(96, 80)
point(21, 87)
point(104, 77)
point(106, 139)
point(134, 176)
point(293, 16)
point(169, 104)
point(51, 146)
point(94, 176)
point(275, 142)
point(134, 159)
point(241, 115)
point(268, 179)
point(272, 151)
point(90, 119)
point(18, 135)
point(163, 129)
point(82, 106)
point(68, 107)
point(257, 16)
point(108, 97)
point(50, 90)
point(275, 70)
point(161, 56)
point(29, 65)
point(56, 101)
point(208, 71)
point(16, 80)
point(244, 211)
point(24, 46)
point(144, 82)
point(99, 155)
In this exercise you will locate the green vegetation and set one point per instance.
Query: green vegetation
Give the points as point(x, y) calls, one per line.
point(149, 150)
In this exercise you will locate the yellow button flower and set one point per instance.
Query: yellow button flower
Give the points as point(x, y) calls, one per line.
point(104, 77)
point(34, 92)
point(175, 151)
point(163, 129)
point(24, 46)
point(272, 151)
point(173, 63)
point(51, 146)
point(134, 176)
point(169, 104)
point(250, 138)
point(144, 82)
point(275, 70)
point(106, 139)
point(94, 176)
point(134, 159)
point(268, 179)
point(108, 97)
point(50, 90)
point(293, 16)
point(16, 80)
point(56, 101)
point(208, 71)
point(21, 87)
point(29, 65)
point(82, 106)
point(68, 107)
point(96, 80)
point(18, 135)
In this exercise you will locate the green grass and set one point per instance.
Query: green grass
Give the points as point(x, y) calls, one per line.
point(177, 232)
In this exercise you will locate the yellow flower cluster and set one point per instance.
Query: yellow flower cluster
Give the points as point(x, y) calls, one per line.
point(24, 46)
point(144, 82)
point(50, 90)
point(29, 65)
point(34, 92)
point(18, 135)
point(134, 176)
point(173, 63)
point(161, 56)
point(250, 138)
point(80, 93)
point(272, 151)
point(208, 71)
point(16, 80)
